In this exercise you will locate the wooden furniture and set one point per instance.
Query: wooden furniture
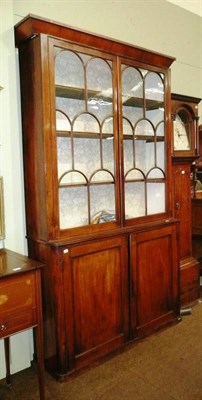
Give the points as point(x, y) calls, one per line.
point(20, 304)
point(185, 108)
point(97, 165)
point(196, 203)
point(197, 214)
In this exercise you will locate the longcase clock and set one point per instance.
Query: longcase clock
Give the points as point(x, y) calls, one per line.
point(184, 153)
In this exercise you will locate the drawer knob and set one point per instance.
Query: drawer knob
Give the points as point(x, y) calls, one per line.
point(3, 327)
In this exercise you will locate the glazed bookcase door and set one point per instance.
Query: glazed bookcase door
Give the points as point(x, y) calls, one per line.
point(143, 131)
point(84, 123)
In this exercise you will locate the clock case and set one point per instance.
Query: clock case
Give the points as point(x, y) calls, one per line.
point(187, 108)
point(182, 162)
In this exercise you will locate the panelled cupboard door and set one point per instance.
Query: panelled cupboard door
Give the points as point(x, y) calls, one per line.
point(155, 276)
point(182, 205)
point(96, 298)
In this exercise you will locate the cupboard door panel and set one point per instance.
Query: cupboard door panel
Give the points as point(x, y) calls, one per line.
point(98, 298)
point(182, 206)
point(154, 265)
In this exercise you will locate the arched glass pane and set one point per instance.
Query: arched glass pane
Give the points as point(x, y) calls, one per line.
point(99, 87)
point(127, 127)
point(86, 123)
point(135, 174)
point(102, 176)
point(132, 84)
point(144, 127)
point(70, 83)
point(69, 70)
point(154, 87)
point(132, 93)
point(72, 177)
point(62, 122)
point(155, 173)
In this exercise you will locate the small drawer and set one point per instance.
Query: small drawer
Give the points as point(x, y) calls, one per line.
point(17, 292)
point(10, 324)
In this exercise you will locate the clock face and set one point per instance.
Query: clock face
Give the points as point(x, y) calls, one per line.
point(181, 140)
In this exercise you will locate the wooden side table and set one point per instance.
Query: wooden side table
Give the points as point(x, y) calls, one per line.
point(21, 305)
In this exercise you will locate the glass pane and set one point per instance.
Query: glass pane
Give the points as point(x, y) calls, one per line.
point(155, 173)
point(134, 199)
point(160, 129)
point(108, 126)
point(160, 155)
point(127, 127)
point(102, 203)
point(144, 127)
point(86, 123)
point(87, 156)
point(132, 84)
point(64, 155)
point(135, 174)
point(73, 207)
point(108, 151)
point(102, 176)
point(62, 122)
point(128, 155)
point(99, 85)
point(72, 177)
point(156, 198)
point(156, 116)
point(132, 94)
point(69, 70)
point(144, 155)
point(154, 88)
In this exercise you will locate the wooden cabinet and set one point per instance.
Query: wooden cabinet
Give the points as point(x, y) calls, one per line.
point(186, 108)
point(97, 167)
point(21, 304)
point(196, 203)
point(98, 298)
point(154, 279)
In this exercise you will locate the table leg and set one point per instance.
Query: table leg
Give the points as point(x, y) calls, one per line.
point(7, 358)
point(40, 361)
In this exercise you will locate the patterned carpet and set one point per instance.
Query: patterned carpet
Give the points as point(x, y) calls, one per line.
point(164, 366)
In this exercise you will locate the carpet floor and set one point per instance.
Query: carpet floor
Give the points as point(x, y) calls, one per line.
point(165, 366)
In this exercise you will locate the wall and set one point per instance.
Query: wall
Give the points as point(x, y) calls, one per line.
point(154, 24)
